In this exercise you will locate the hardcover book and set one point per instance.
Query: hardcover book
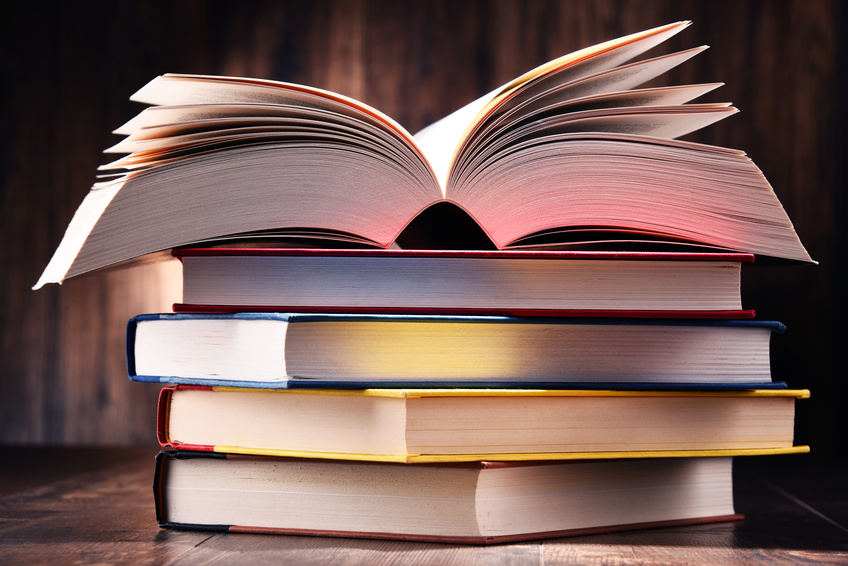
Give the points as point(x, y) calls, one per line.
point(636, 284)
point(571, 151)
point(276, 350)
point(479, 503)
point(468, 425)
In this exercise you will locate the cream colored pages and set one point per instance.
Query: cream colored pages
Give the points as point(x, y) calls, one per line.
point(609, 88)
point(235, 349)
point(181, 90)
point(86, 216)
point(184, 90)
point(442, 140)
point(177, 89)
point(217, 121)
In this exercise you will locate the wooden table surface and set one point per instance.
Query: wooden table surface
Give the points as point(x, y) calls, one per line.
point(91, 506)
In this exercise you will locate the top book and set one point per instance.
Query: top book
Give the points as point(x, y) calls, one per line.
point(571, 151)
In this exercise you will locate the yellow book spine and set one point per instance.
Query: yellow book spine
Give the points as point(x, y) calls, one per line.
point(522, 457)
point(418, 393)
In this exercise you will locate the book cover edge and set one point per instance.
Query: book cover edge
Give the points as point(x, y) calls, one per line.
point(527, 254)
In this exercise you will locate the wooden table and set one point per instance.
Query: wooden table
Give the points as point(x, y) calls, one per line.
point(86, 506)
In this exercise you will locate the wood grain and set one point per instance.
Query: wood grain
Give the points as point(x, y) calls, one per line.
point(96, 507)
point(73, 68)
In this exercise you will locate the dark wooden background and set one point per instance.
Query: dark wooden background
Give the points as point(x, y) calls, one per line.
point(68, 71)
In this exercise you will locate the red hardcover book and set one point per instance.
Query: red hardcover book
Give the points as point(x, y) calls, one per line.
point(473, 503)
point(551, 283)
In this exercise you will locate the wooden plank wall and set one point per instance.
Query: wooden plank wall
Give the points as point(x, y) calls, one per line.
point(68, 72)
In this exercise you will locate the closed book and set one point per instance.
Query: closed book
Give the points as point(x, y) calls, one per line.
point(287, 350)
point(477, 503)
point(455, 425)
point(634, 284)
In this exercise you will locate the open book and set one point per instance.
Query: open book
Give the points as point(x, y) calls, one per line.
point(570, 151)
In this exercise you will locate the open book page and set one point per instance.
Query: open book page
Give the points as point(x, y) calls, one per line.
point(86, 216)
point(442, 140)
point(163, 133)
point(547, 93)
point(609, 89)
point(659, 96)
point(177, 89)
point(659, 112)
point(690, 192)
point(650, 121)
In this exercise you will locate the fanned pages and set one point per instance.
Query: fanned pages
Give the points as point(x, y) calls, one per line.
point(569, 153)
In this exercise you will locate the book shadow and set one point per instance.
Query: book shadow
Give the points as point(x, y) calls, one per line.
point(444, 226)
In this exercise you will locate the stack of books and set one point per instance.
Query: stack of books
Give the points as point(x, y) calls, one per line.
point(330, 371)
point(483, 427)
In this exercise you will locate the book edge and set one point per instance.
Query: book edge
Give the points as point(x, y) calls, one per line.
point(503, 458)
point(515, 254)
point(195, 308)
point(490, 540)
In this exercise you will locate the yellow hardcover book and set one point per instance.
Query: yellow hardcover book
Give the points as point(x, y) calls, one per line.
point(462, 425)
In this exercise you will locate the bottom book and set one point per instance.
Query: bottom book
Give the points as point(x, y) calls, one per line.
point(474, 503)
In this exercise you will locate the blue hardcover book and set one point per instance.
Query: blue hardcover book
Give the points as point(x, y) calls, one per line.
point(277, 350)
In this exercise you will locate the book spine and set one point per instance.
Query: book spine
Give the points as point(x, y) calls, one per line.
point(160, 482)
point(162, 416)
